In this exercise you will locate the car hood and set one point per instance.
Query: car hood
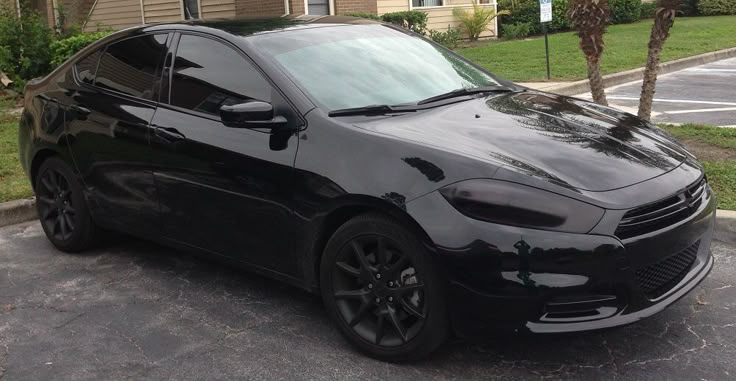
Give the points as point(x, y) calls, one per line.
point(567, 141)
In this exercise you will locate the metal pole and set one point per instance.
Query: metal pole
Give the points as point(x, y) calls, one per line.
point(546, 47)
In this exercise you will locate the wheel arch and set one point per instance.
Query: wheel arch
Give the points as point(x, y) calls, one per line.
point(38, 158)
point(343, 211)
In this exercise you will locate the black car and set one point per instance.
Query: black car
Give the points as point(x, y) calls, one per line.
point(418, 193)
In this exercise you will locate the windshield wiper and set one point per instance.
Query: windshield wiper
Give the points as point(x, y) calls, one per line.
point(469, 91)
point(372, 110)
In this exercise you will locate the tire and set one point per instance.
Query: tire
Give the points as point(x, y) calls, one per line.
point(390, 306)
point(62, 209)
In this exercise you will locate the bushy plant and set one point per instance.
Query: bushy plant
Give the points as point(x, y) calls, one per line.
point(624, 11)
point(62, 50)
point(689, 8)
point(416, 21)
point(717, 7)
point(449, 38)
point(647, 10)
point(364, 15)
point(24, 42)
point(516, 31)
point(527, 11)
point(476, 22)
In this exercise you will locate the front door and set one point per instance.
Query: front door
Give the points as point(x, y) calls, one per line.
point(318, 7)
point(225, 190)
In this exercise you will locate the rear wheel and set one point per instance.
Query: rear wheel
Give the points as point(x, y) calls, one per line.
point(61, 207)
point(383, 290)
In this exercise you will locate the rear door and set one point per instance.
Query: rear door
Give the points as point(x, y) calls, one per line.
point(225, 190)
point(110, 145)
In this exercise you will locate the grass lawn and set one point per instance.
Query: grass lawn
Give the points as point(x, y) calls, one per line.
point(626, 48)
point(13, 181)
point(716, 148)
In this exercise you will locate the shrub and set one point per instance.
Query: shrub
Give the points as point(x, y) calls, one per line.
point(24, 43)
point(477, 22)
point(516, 31)
point(625, 11)
point(62, 50)
point(527, 11)
point(364, 15)
point(717, 7)
point(647, 10)
point(449, 38)
point(689, 8)
point(416, 21)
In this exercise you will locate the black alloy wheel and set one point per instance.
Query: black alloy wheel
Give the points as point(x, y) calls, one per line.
point(383, 290)
point(61, 207)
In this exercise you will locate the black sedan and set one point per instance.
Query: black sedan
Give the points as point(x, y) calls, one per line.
point(421, 195)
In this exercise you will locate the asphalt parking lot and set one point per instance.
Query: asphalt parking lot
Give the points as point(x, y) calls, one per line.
point(135, 310)
point(704, 94)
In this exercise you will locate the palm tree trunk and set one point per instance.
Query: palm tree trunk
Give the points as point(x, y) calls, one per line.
point(596, 82)
point(663, 21)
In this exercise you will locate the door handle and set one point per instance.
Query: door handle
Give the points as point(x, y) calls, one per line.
point(169, 134)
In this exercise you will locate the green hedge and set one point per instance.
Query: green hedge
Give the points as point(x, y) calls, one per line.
point(625, 11)
point(24, 42)
point(527, 11)
point(62, 50)
point(647, 10)
point(717, 7)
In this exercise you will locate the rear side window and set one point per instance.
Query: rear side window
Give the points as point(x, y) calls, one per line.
point(86, 67)
point(130, 66)
point(208, 74)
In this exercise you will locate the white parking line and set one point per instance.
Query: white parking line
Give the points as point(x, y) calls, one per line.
point(701, 110)
point(674, 101)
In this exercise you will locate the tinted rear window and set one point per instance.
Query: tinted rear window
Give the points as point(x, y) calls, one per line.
point(86, 67)
point(131, 66)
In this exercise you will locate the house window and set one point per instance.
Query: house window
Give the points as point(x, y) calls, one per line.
point(426, 3)
point(191, 9)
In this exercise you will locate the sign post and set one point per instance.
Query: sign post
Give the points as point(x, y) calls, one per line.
point(545, 16)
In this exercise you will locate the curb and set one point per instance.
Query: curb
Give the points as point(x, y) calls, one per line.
point(15, 212)
point(580, 87)
point(726, 226)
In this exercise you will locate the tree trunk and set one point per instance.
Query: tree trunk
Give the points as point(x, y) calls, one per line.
point(660, 31)
point(596, 83)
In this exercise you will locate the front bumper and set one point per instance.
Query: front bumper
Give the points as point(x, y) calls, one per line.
point(505, 278)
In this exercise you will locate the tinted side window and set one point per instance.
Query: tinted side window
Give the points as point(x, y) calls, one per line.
point(130, 66)
point(208, 74)
point(87, 66)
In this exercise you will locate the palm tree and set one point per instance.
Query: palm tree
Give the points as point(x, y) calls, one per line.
point(589, 18)
point(664, 17)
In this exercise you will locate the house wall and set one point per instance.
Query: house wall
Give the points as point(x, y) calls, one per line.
point(439, 18)
point(115, 14)
point(352, 6)
point(259, 7)
point(387, 6)
point(217, 9)
point(162, 10)
point(296, 7)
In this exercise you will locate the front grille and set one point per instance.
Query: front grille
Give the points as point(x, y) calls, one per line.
point(657, 279)
point(658, 215)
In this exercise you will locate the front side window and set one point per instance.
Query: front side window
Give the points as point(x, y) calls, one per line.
point(208, 74)
point(130, 66)
point(360, 65)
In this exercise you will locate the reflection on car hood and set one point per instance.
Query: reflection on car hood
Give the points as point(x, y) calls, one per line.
point(567, 141)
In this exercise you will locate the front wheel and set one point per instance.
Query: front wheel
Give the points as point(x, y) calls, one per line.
point(383, 290)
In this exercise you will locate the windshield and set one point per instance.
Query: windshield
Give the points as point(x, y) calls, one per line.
point(354, 66)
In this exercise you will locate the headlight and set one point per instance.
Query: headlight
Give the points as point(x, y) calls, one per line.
point(519, 205)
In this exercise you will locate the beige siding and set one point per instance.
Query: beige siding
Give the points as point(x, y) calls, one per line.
point(387, 6)
point(162, 10)
point(217, 9)
point(439, 18)
point(115, 14)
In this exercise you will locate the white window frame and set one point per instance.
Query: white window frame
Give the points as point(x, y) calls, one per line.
point(332, 7)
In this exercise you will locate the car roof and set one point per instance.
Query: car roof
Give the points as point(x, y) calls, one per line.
point(251, 26)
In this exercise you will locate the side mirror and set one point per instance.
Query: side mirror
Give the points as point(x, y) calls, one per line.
point(253, 114)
